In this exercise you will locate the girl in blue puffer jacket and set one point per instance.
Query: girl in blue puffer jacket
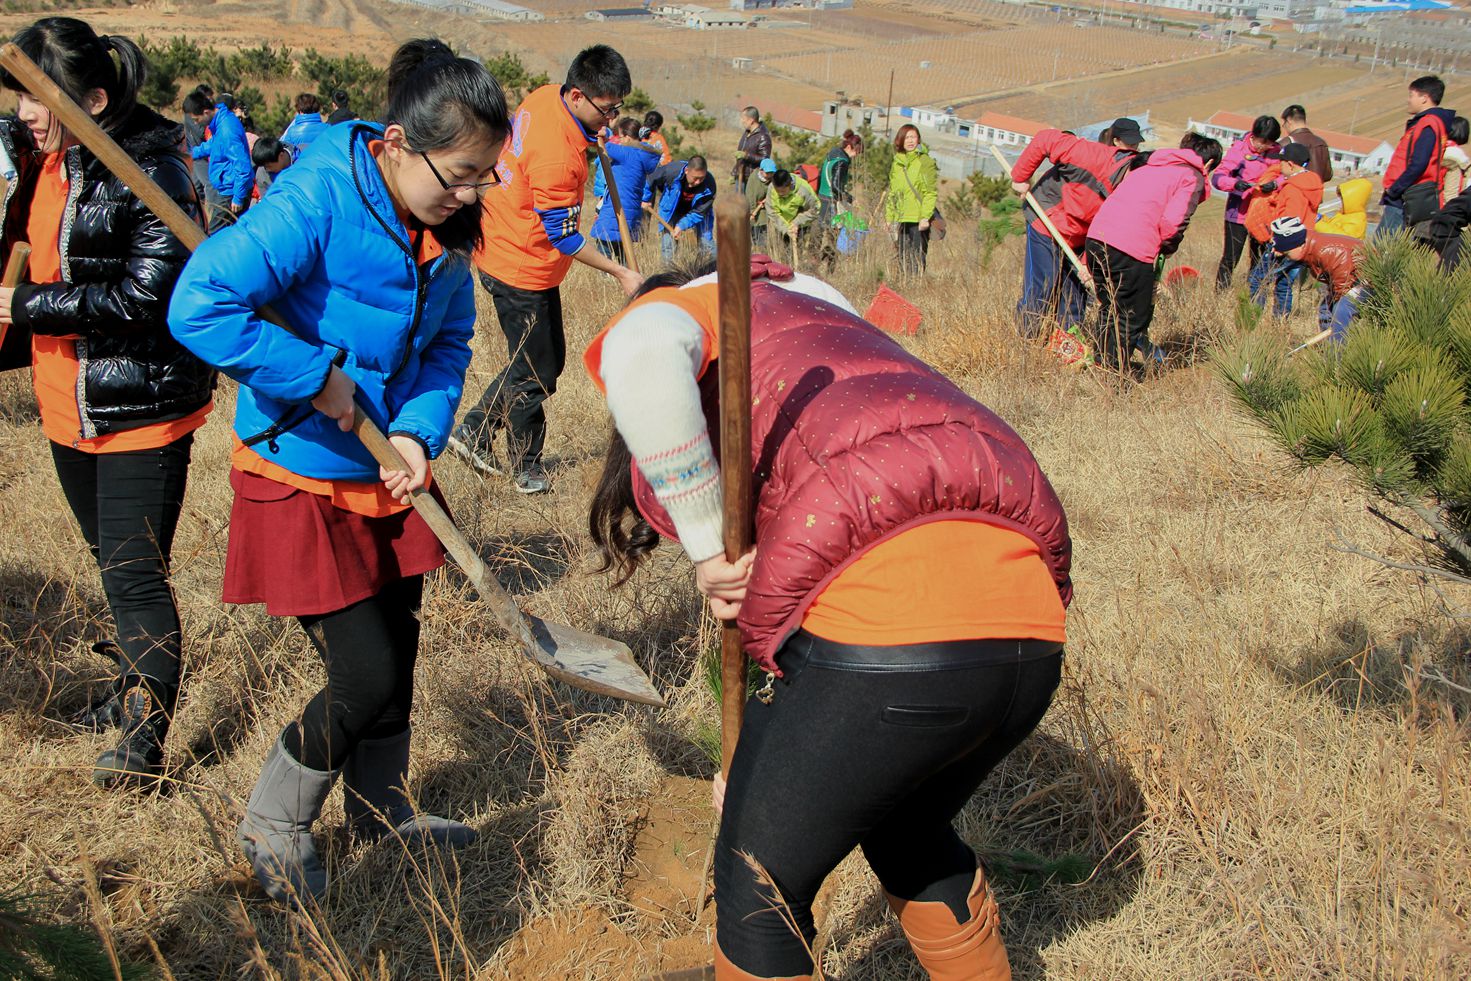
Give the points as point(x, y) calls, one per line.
point(364, 247)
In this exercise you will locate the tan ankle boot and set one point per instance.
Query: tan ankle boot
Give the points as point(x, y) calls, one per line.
point(726, 971)
point(952, 951)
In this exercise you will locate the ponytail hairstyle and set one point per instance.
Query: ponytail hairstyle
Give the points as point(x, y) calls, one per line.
point(619, 533)
point(442, 101)
point(78, 60)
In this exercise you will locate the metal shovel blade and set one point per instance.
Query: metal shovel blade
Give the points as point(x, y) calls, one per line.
point(600, 665)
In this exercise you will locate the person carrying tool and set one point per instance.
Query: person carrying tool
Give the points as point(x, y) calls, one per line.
point(911, 638)
point(119, 398)
point(756, 190)
point(531, 239)
point(791, 208)
point(1143, 219)
point(231, 173)
point(364, 245)
point(633, 162)
point(1332, 260)
point(685, 209)
point(1082, 176)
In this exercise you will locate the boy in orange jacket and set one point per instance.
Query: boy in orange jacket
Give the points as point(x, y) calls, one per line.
point(1287, 190)
point(532, 237)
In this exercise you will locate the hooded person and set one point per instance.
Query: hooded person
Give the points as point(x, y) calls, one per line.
point(1144, 219)
point(1352, 218)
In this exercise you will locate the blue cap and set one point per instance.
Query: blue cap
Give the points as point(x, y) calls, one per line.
point(768, 166)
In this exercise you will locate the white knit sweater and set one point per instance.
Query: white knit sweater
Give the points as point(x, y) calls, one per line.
point(650, 362)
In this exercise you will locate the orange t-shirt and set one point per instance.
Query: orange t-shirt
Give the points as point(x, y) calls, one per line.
point(369, 498)
point(948, 579)
point(543, 168)
point(54, 359)
point(944, 580)
point(657, 141)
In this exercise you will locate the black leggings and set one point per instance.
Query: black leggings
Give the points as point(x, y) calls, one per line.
point(128, 506)
point(1237, 238)
point(878, 747)
point(369, 651)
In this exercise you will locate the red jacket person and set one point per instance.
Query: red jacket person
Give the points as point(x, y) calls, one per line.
point(906, 596)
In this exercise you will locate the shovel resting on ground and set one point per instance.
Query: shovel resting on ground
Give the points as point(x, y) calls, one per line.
point(582, 660)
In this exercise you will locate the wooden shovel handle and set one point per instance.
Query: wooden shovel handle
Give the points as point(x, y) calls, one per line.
point(15, 266)
point(617, 198)
point(1083, 274)
point(189, 232)
point(733, 230)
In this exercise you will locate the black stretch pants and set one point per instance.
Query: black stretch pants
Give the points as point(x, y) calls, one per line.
point(1125, 302)
point(871, 747)
point(1236, 242)
point(914, 247)
point(532, 323)
point(369, 651)
point(128, 507)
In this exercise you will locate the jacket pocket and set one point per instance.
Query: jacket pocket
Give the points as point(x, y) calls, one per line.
point(925, 716)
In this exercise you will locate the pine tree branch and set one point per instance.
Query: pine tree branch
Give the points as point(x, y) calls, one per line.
point(1446, 538)
point(1342, 544)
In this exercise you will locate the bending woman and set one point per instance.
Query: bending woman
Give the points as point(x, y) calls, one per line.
point(119, 398)
point(363, 245)
point(906, 596)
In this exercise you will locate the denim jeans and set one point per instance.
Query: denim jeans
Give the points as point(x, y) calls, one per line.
point(1283, 274)
point(667, 243)
point(1050, 287)
point(1391, 219)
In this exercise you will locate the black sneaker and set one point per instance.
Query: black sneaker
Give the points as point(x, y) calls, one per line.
point(106, 711)
point(479, 457)
point(138, 756)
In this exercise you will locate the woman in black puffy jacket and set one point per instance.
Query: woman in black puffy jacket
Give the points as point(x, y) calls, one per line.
point(119, 398)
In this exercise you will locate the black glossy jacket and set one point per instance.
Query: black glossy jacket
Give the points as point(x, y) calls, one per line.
point(118, 267)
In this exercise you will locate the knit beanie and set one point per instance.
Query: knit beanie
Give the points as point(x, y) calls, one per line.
point(1288, 233)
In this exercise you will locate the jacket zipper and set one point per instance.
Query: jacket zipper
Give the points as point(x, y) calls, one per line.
point(289, 419)
point(68, 219)
point(421, 286)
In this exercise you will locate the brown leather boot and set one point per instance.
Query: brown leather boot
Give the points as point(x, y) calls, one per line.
point(726, 971)
point(952, 951)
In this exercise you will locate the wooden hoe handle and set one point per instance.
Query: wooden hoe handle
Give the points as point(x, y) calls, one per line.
point(733, 231)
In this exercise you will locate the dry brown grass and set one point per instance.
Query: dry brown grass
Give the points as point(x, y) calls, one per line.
point(1241, 746)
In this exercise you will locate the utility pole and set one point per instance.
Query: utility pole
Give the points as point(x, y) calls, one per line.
point(1377, 38)
point(889, 106)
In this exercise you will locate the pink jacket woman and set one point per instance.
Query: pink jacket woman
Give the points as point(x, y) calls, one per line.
point(1242, 163)
point(1148, 212)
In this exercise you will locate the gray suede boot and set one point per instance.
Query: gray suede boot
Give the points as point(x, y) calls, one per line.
point(376, 801)
point(276, 834)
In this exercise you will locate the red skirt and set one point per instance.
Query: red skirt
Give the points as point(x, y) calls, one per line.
point(301, 556)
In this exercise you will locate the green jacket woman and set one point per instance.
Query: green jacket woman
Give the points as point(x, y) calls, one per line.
point(914, 189)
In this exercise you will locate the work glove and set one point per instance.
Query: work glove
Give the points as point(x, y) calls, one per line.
point(1241, 186)
point(1269, 187)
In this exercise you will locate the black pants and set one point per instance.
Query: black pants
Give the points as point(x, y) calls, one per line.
point(878, 747)
point(128, 506)
point(1125, 302)
point(914, 247)
point(532, 323)
point(1237, 238)
point(369, 651)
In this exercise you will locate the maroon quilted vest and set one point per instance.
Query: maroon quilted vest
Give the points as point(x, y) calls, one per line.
point(853, 441)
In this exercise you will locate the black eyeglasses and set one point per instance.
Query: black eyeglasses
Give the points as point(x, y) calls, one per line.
point(609, 113)
point(478, 188)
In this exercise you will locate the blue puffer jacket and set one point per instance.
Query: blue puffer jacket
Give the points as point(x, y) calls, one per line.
point(230, 169)
point(667, 182)
point(305, 128)
point(327, 251)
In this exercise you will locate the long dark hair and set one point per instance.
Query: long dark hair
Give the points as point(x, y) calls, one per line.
point(78, 60)
point(621, 535)
point(441, 100)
